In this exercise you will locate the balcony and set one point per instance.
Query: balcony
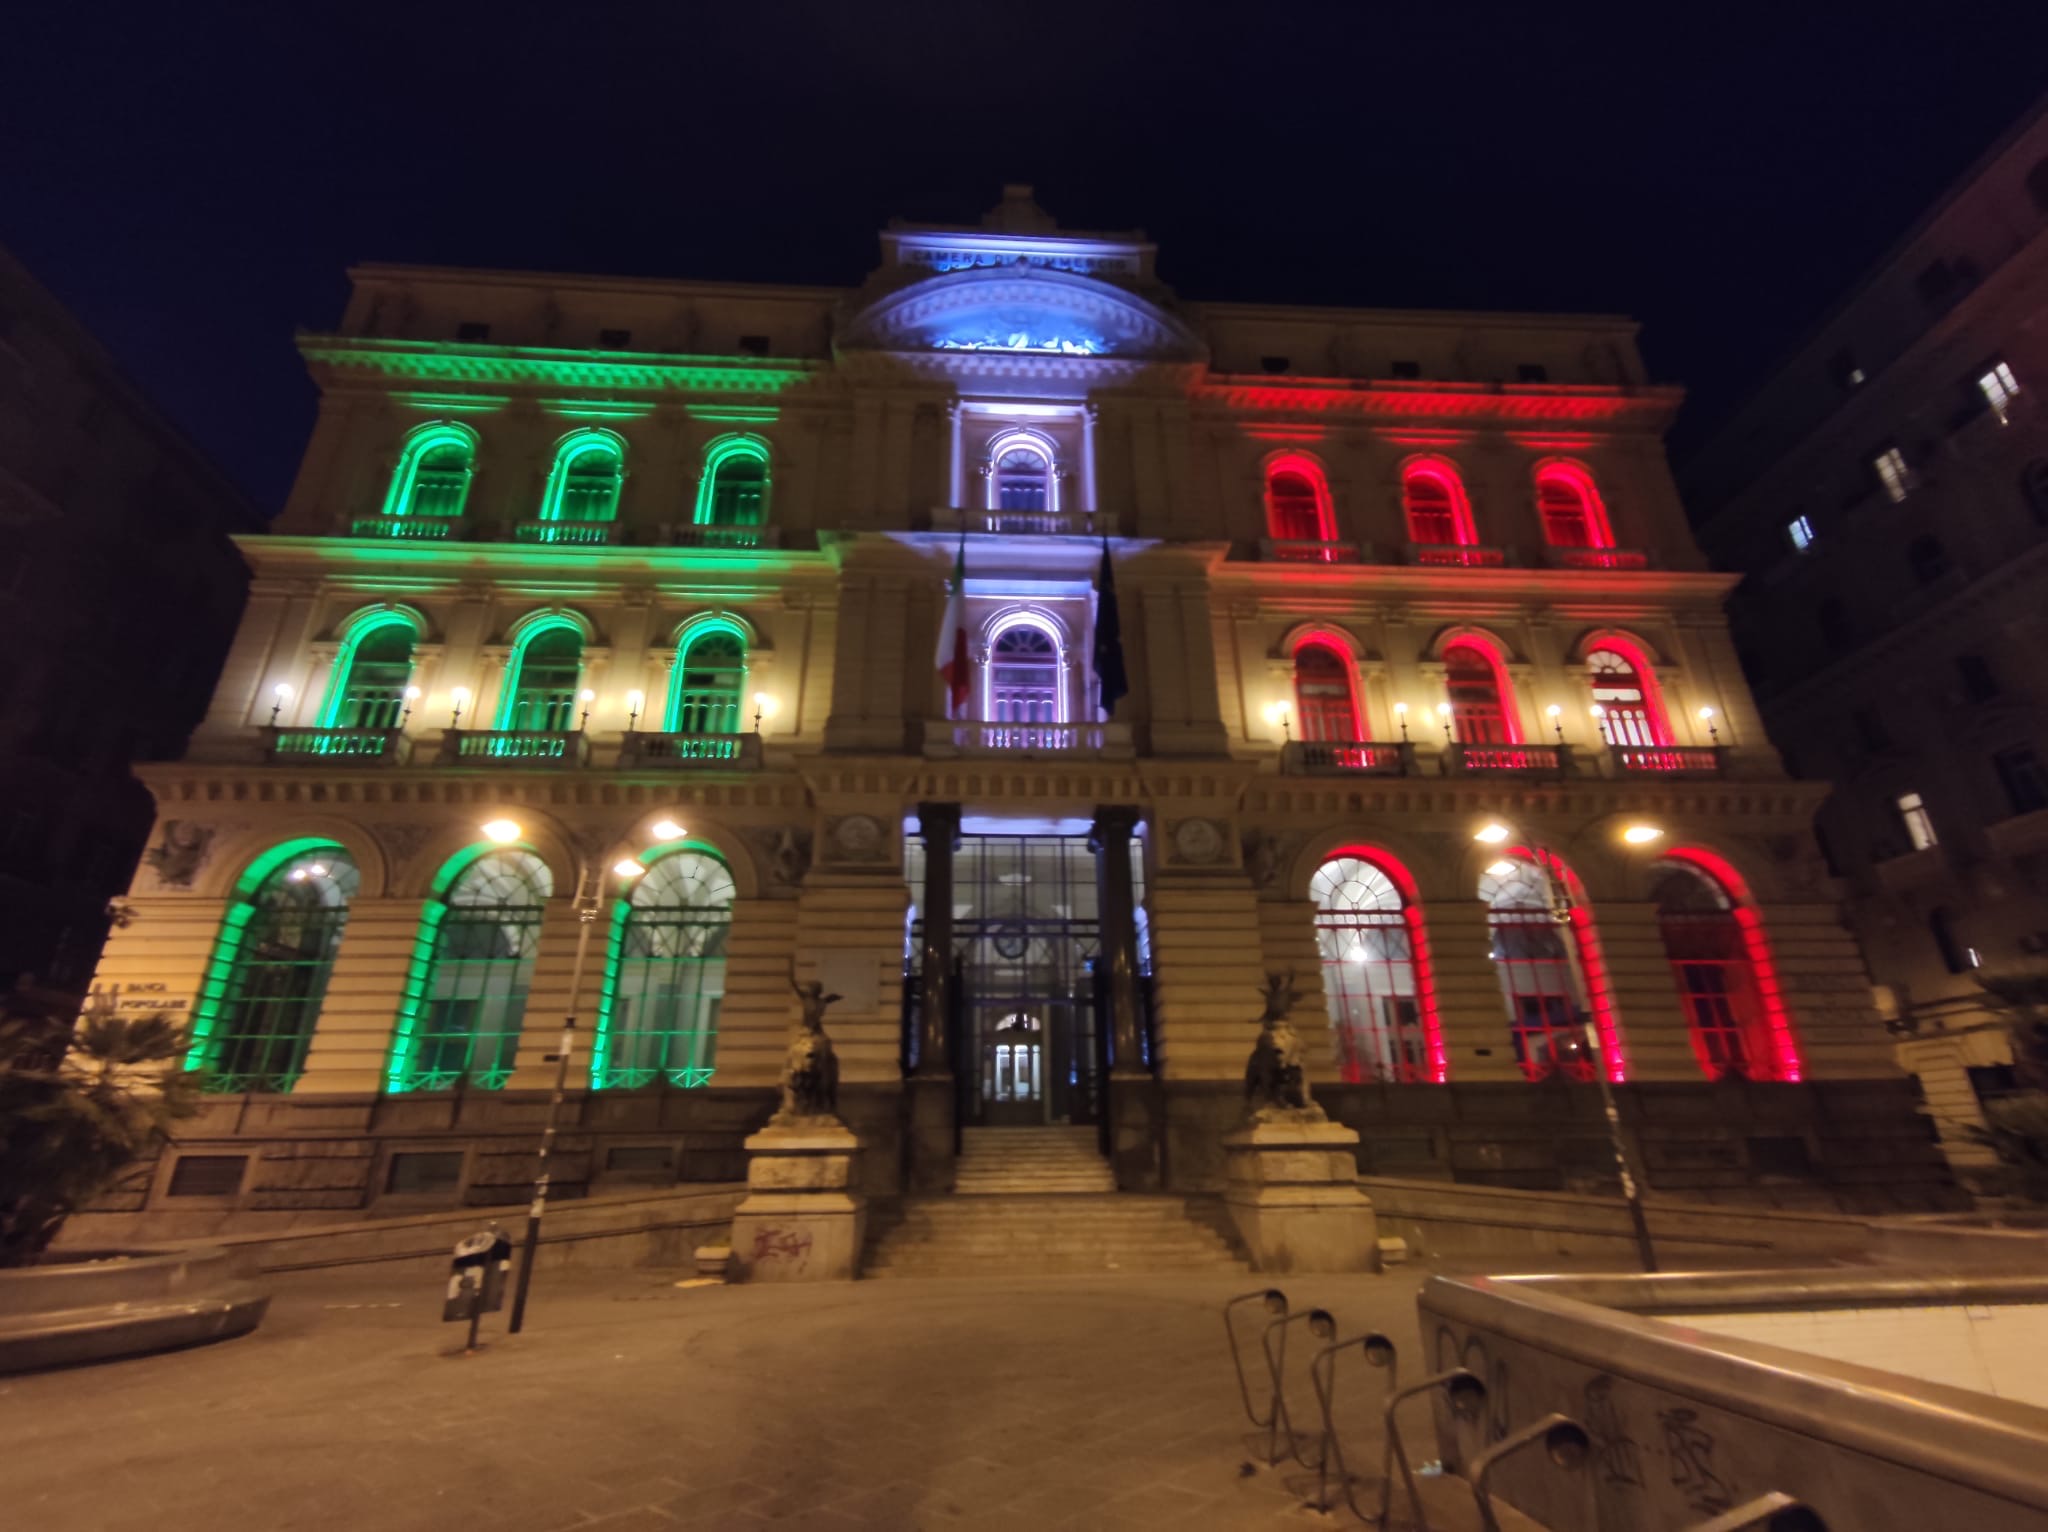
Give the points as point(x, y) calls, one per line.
point(581, 534)
point(690, 752)
point(1509, 760)
point(515, 747)
point(1287, 552)
point(1598, 558)
point(955, 518)
point(1457, 555)
point(1346, 758)
point(943, 737)
point(691, 535)
point(297, 746)
point(1668, 760)
point(423, 529)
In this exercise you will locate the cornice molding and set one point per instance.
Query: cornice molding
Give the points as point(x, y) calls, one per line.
point(637, 372)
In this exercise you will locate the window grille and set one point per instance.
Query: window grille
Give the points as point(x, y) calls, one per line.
point(1023, 685)
point(1627, 720)
point(667, 976)
point(472, 999)
point(1534, 969)
point(1364, 934)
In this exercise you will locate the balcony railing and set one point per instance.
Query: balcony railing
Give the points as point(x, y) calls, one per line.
point(516, 747)
point(690, 535)
point(1599, 558)
point(427, 529)
point(286, 746)
point(690, 752)
point(959, 518)
point(945, 737)
point(1510, 760)
point(1272, 551)
point(1346, 758)
point(582, 534)
point(1457, 554)
point(1668, 760)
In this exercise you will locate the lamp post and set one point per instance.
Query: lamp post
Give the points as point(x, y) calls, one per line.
point(1556, 716)
point(1557, 901)
point(585, 698)
point(280, 694)
point(460, 700)
point(1280, 713)
point(412, 695)
point(1401, 718)
point(1443, 716)
point(765, 706)
point(634, 702)
point(590, 891)
point(1707, 717)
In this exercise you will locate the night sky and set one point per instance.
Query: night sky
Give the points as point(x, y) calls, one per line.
point(192, 180)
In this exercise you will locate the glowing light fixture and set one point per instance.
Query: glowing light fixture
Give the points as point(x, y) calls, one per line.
point(1501, 869)
point(1642, 835)
point(626, 867)
point(412, 695)
point(668, 829)
point(1556, 716)
point(503, 831)
point(1492, 834)
point(635, 701)
point(586, 697)
point(280, 694)
point(765, 706)
point(460, 697)
point(1706, 716)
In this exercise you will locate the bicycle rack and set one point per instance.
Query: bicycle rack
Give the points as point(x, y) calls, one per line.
point(1322, 1326)
point(1466, 1396)
point(1564, 1441)
point(1322, 1371)
point(1767, 1513)
point(1275, 1303)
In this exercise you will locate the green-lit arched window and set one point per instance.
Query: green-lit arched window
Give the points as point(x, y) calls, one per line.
point(434, 471)
point(547, 666)
point(711, 680)
point(465, 996)
point(257, 1004)
point(371, 674)
point(734, 489)
point(584, 486)
point(665, 979)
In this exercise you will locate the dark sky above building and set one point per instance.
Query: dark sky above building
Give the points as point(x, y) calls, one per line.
point(193, 179)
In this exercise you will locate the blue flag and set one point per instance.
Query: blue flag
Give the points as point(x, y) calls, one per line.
point(1110, 681)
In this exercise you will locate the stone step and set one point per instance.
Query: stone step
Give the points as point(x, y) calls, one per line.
point(999, 1233)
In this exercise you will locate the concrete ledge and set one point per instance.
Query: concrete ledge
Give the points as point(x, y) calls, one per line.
point(96, 1306)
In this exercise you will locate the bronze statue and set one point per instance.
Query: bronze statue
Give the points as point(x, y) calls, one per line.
point(1275, 1079)
point(810, 1071)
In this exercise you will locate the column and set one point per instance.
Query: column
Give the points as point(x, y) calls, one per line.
point(1117, 912)
point(939, 823)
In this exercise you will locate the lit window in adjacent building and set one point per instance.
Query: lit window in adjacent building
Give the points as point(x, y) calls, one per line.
point(1627, 710)
point(710, 680)
point(1325, 699)
point(1375, 973)
point(1893, 474)
point(1799, 532)
point(1918, 822)
point(2019, 771)
point(2000, 388)
point(665, 983)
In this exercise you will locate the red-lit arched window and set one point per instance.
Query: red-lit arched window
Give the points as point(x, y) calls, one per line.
point(1482, 712)
point(1625, 698)
point(1376, 972)
point(1325, 696)
point(1570, 505)
point(1298, 502)
point(1727, 982)
point(1533, 963)
point(1439, 514)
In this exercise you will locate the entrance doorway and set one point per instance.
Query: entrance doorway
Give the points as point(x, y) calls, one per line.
point(1028, 1034)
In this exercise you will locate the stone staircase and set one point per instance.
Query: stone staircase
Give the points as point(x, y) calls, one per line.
point(1040, 1201)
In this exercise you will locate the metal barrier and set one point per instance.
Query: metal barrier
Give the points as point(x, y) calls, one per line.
point(1564, 1441)
point(1274, 1302)
point(1771, 1513)
point(1280, 1419)
point(1465, 1395)
point(1322, 1370)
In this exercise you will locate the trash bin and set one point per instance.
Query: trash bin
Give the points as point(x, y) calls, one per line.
point(476, 1278)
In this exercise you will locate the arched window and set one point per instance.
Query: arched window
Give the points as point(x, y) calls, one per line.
point(434, 470)
point(2034, 488)
point(1298, 502)
point(258, 1002)
point(1020, 476)
point(1438, 511)
point(1928, 559)
point(1024, 682)
point(1727, 981)
point(734, 489)
point(1570, 505)
point(1625, 700)
point(371, 674)
point(710, 682)
point(546, 669)
point(465, 995)
point(584, 484)
point(1325, 700)
point(1480, 714)
point(665, 979)
point(1376, 979)
point(1533, 963)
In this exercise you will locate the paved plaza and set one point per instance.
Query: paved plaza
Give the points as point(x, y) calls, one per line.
point(631, 1405)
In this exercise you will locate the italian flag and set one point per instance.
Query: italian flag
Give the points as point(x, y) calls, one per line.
point(952, 659)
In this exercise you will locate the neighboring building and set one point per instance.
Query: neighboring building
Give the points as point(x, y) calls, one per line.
point(119, 594)
point(654, 573)
point(1886, 495)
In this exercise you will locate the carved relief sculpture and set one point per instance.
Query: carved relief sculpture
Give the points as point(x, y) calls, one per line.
point(176, 859)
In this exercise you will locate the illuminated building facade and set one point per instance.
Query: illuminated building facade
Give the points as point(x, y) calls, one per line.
point(649, 578)
point(1886, 495)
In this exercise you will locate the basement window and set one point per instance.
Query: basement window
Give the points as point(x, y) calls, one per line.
point(424, 1174)
point(207, 1175)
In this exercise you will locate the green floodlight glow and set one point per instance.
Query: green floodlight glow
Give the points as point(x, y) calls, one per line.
point(590, 466)
point(454, 404)
point(435, 467)
point(614, 956)
point(698, 703)
point(734, 414)
point(524, 559)
point(516, 680)
point(359, 628)
point(740, 504)
point(597, 409)
point(454, 362)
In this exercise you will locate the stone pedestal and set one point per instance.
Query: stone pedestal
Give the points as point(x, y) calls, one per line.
point(1292, 1191)
point(801, 1220)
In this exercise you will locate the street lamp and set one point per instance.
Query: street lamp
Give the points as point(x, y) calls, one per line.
point(1557, 901)
point(589, 902)
point(280, 694)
